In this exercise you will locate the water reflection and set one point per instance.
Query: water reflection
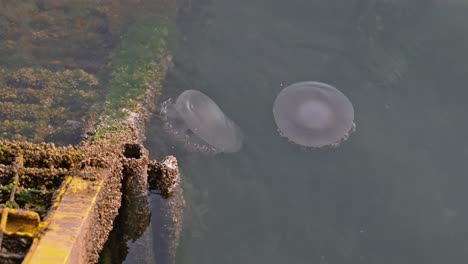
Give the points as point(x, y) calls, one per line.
point(131, 241)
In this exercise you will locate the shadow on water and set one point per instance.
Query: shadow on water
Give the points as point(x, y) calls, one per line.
point(393, 193)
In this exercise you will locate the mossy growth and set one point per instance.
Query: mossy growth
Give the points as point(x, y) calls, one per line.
point(37, 104)
point(138, 65)
point(111, 130)
point(5, 192)
point(33, 199)
point(33, 33)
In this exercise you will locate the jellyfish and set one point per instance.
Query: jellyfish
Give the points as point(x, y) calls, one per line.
point(198, 123)
point(314, 114)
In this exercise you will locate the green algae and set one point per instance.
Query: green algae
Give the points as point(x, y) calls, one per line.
point(138, 64)
point(38, 104)
point(32, 199)
point(137, 70)
point(111, 130)
point(33, 33)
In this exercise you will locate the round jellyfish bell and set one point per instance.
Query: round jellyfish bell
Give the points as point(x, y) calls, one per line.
point(314, 114)
point(197, 121)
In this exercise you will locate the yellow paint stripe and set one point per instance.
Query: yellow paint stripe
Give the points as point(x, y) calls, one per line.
point(59, 243)
point(3, 222)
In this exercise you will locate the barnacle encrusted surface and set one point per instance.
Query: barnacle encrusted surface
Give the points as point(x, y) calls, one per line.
point(37, 104)
point(30, 174)
point(48, 93)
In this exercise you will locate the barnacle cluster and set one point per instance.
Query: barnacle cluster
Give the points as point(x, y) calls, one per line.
point(164, 176)
point(38, 104)
point(30, 174)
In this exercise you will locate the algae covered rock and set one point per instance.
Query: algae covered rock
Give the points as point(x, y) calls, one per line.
point(48, 93)
point(41, 105)
point(34, 33)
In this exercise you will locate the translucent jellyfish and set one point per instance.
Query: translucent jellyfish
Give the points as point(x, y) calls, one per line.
point(197, 122)
point(314, 114)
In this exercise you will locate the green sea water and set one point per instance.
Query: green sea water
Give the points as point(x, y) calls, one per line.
point(393, 193)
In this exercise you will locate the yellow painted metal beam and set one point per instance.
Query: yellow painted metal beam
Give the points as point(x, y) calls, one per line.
point(64, 240)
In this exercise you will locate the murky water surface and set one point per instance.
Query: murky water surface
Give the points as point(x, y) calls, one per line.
point(395, 192)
